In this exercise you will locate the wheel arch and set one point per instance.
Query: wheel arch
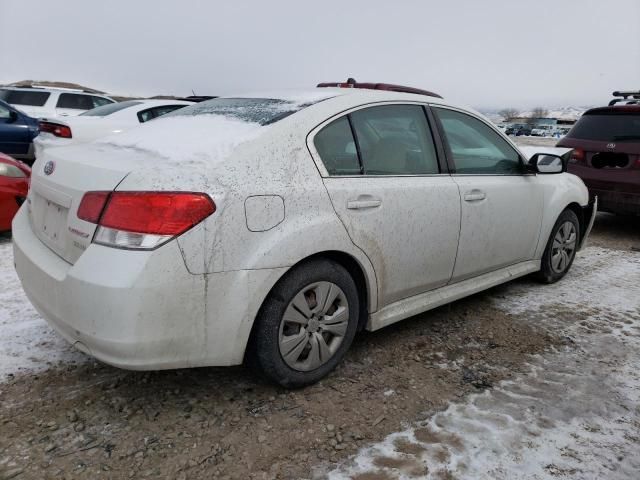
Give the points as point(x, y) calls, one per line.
point(365, 285)
point(579, 211)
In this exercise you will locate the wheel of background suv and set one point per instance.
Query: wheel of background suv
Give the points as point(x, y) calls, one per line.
point(561, 248)
point(306, 324)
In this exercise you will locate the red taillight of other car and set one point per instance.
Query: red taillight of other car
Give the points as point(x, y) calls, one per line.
point(143, 220)
point(56, 129)
point(578, 156)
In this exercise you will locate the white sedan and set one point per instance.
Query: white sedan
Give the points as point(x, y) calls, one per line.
point(101, 121)
point(272, 228)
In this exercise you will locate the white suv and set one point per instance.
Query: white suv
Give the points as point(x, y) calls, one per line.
point(49, 102)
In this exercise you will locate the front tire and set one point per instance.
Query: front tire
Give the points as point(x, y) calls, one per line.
point(306, 324)
point(561, 248)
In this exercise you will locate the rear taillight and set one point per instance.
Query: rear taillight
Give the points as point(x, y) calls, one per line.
point(577, 156)
point(56, 129)
point(143, 220)
point(92, 205)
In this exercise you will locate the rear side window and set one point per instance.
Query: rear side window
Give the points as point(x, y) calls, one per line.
point(75, 101)
point(395, 140)
point(475, 147)
point(109, 109)
point(337, 148)
point(28, 98)
point(614, 127)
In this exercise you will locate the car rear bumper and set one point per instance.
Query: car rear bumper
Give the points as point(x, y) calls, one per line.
point(139, 310)
point(617, 202)
point(618, 190)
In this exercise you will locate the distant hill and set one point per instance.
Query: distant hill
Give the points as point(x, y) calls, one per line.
point(47, 83)
point(564, 113)
point(76, 86)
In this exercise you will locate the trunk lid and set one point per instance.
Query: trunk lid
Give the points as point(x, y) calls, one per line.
point(58, 182)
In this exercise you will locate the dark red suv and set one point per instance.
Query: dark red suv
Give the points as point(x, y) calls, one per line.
point(606, 156)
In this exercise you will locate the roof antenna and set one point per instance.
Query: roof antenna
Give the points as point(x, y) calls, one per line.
point(194, 92)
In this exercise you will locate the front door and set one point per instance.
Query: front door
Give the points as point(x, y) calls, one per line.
point(386, 186)
point(501, 204)
point(15, 135)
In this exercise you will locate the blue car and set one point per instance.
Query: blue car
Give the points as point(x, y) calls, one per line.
point(17, 131)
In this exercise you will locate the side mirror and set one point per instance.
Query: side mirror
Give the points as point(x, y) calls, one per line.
point(547, 163)
point(13, 116)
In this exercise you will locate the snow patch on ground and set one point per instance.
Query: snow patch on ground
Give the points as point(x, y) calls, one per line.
point(27, 343)
point(575, 414)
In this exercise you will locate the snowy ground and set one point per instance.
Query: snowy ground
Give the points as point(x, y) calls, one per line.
point(27, 343)
point(575, 414)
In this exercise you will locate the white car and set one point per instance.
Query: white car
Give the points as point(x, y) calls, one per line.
point(541, 131)
point(100, 122)
point(38, 102)
point(272, 228)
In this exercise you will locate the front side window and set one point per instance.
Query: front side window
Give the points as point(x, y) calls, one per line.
point(337, 148)
point(475, 147)
point(395, 140)
point(75, 101)
point(5, 113)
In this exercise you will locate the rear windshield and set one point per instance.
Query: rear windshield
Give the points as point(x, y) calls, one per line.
point(607, 128)
point(252, 110)
point(105, 110)
point(21, 97)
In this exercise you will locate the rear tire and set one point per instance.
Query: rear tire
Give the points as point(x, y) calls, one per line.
point(561, 248)
point(306, 324)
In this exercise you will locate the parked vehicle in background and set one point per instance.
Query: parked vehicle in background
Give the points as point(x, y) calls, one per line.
point(40, 102)
point(606, 156)
point(559, 132)
point(272, 229)
point(102, 121)
point(14, 185)
point(17, 131)
point(541, 131)
point(518, 129)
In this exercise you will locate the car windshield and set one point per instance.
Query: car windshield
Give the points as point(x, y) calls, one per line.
point(263, 111)
point(607, 127)
point(22, 97)
point(105, 110)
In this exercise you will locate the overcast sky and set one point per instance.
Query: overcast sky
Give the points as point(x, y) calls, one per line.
point(486, 53)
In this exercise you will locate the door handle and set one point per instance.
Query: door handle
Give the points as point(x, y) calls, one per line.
point(363, 202)
point(474, 196)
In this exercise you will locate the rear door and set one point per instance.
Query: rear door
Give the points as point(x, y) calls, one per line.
point(396, 202)
point(501, 204)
